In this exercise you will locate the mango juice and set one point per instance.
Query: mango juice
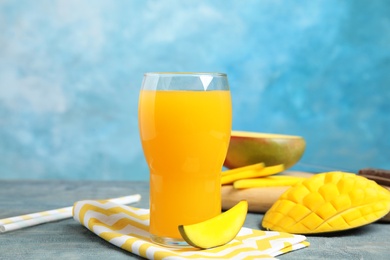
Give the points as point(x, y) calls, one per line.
point(185, 137)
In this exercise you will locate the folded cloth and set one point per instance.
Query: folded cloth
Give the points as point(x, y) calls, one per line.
point(127, 227)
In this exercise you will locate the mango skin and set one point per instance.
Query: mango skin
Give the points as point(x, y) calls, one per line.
point(246, 148)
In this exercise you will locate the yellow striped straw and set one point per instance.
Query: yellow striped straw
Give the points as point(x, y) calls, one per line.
point(28, 220)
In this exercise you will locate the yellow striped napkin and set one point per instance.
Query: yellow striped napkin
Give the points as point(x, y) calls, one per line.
point(127, 227)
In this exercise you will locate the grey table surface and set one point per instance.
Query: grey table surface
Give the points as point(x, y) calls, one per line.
point(67, 239)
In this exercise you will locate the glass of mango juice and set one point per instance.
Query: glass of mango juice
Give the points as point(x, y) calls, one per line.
point(185, 123)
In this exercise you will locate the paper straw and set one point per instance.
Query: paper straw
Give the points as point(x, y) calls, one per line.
point(28, 220)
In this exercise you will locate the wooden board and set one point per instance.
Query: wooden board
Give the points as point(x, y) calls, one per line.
point(261, 199)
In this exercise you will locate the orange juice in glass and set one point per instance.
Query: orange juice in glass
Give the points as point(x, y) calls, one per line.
point(185, 123)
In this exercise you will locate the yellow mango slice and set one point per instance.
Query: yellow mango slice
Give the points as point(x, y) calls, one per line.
point(270, 181)
point(216, 231)
point(252, 167)
point(328, 202)
point(230, 178)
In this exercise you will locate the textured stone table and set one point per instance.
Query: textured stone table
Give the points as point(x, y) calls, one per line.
point(67, 239)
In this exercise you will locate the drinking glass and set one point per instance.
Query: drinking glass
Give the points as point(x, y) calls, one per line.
point(185, 124)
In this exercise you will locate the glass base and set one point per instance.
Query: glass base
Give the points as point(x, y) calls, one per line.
point(170, 242)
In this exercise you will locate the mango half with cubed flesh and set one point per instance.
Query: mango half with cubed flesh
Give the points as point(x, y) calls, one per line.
point(248, 148)
point(216, 231)
point(328, 202)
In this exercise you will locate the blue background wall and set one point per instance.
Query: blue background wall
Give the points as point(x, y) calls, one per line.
point(70, 72)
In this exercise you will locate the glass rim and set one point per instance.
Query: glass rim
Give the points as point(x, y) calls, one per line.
point(184, 74)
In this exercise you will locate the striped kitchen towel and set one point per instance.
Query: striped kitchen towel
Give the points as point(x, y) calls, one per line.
point(127, 227)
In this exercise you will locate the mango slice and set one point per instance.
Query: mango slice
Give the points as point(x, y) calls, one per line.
point(269, 181)
point(328, 202)
point(216, 231)
point(246, 148)
point(252, 167)
point(230, 178)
